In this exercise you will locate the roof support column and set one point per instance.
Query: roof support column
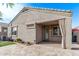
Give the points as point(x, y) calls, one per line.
point(66, 32)
point(68, 28)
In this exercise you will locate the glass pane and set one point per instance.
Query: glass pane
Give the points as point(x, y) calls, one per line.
point(14, 30)
point(55, 31)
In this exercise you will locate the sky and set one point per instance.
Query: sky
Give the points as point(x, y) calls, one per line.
point(10, 13)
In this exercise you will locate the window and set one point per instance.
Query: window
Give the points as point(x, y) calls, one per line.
point(30, 26)
point(14, 30)
point(5, 30)
point(56, 31)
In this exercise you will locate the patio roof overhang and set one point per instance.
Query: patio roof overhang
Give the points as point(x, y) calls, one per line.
point(41, 20)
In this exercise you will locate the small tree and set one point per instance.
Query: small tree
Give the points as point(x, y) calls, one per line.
point(7, 5)
point(18, 40)
point(0, 15)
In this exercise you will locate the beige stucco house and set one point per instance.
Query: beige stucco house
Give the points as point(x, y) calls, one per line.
point(41, 24)
point(3, 31)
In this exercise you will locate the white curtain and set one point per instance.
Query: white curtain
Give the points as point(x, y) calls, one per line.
point(62, 29)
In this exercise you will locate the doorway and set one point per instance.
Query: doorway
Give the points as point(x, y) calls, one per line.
point(46, 33)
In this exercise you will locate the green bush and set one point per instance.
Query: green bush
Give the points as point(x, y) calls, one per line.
point(29, 43)
point(18, 40)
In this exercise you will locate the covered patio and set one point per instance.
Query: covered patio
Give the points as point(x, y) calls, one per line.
point(54, 32)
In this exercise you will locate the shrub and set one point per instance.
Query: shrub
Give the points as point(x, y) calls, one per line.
point(29, 43)
point(18, 40)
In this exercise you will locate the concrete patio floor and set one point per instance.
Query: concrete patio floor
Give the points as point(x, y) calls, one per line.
point(38, 50)
point(51, 44)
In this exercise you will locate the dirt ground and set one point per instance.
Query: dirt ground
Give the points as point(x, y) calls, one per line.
point(38, 50)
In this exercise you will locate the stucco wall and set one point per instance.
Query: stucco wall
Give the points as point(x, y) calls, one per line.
point(55, 39)
point(24, 33)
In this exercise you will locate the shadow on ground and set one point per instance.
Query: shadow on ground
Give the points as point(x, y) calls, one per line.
point(75, 48)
